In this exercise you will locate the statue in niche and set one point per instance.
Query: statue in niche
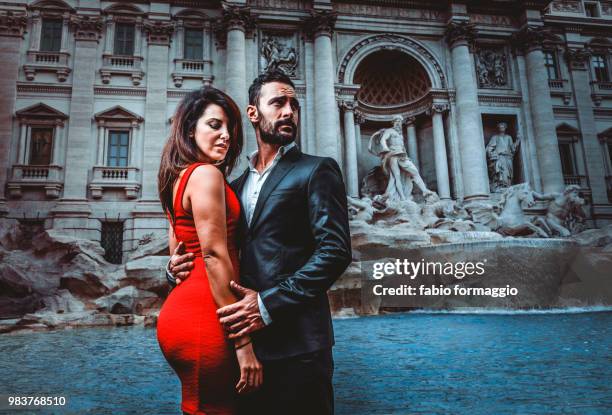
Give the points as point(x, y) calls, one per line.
point(491, 68)
point(278, 56)
point(500, 155)
point(388, 144)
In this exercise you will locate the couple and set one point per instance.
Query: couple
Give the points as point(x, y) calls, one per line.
point(248, 327)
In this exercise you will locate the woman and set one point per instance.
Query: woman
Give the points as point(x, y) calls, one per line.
point(204, 144)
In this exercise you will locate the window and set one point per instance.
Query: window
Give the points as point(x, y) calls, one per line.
point(550, 61)
point(193, 44)
point(51, 35)
point(112, 241)
point(124, 39)
point(41, 143)
point(610, 151)
point(118, 148)
point(591, 9)
point(567, 159)
point(600, 68)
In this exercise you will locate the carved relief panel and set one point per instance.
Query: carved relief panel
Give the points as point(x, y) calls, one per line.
point(279, 51)
point(491, 63)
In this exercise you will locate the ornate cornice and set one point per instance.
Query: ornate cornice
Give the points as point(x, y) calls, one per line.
point(86, 27)
point(460, 33)
point(532, 38)
point(578, 58)
point(159, 32)
point(12, 24)
point(320, 23)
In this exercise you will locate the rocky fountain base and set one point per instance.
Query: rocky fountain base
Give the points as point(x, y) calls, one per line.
point(57, 281)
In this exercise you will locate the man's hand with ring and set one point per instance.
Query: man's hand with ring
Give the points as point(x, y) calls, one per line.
point(181, 263)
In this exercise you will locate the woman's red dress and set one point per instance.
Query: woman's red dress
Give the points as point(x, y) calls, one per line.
point(188, 330)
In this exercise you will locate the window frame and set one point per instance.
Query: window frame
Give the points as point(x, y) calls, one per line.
point(554, 65)
point(44, 37)
point(605, 69)
point(200, 47)
point(121, 43)
point(30, 144)
point(588, 5)
point(107, 150)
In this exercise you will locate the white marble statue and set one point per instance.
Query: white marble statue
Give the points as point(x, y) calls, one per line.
point(500, 155)
point(388, 144)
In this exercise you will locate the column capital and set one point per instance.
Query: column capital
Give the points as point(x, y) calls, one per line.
point(320, 23)
point(460, 33)
point(410, 121)
point(437, 108)
point(86, 27)
point(159, 32)
point(359, 117)
point(237, 17)
point(12, 24)
point(347, 105)
point(578, 58)
point(532, 38)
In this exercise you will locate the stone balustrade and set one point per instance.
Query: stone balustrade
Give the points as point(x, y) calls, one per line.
point(127, 178)
point(47, 177)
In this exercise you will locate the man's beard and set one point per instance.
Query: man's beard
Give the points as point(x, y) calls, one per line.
point(270, 133)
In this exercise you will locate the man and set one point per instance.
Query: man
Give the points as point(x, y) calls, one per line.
point(295, 244)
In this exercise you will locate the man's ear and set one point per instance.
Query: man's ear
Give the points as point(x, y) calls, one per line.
point(252, 113)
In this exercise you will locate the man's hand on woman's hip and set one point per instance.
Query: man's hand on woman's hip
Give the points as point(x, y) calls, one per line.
point(180, 264)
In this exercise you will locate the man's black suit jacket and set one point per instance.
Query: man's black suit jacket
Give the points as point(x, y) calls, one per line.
point(296, 247)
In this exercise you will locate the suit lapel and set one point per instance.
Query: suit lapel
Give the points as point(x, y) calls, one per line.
point(285, 164)
point(237, 186)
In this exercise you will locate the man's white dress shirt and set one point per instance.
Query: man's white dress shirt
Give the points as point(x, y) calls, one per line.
point(250, 193)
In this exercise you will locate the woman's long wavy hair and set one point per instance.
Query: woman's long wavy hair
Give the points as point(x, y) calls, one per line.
point(180, 150)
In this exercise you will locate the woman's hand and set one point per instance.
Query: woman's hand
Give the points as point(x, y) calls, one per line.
point(251, 370)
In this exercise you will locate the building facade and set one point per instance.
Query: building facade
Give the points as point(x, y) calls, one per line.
point(89, 89)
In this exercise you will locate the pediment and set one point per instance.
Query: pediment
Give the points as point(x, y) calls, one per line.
point(566, 129)
point(191, 14)
point(118, 113)
point(39, 111)
point(51, 5)
point(606, 133)
point(123, 9)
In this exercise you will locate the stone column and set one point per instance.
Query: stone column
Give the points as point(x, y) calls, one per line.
point(411, 141)
point(207, 55)
point(578, 62)
point(159, 34)
point(65, 23)
point(36, 29)
point(320, 25)
point(109, 36)
point(473, 156)
point(308, 114)
point(352, 183)
point(180, 36)
point(23, 140)
point(440, 156)
point(71, 214)
point(547, 147)
point(138, 37)
point(359, 119)
point(12, 28)
point(100, 156)
point(57, 143)
point(236, 21)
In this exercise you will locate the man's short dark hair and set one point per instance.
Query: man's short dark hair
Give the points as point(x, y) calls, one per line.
point(274, 75)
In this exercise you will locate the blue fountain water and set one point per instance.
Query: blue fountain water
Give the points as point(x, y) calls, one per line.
point(417, 363)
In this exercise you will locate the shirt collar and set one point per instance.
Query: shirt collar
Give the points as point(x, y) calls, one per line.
point(252, 158)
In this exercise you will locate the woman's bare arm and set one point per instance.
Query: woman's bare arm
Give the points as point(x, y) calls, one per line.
point(205, 196)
